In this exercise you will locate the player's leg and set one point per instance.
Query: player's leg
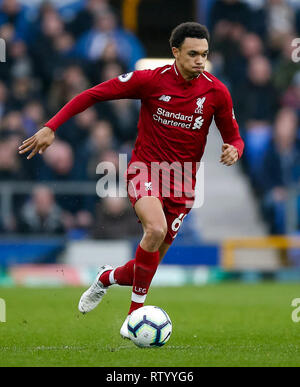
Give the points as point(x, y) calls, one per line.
point(150, 212)
point(126, 273)
point(140, 271)
point(173, 217)
point(123, 275)
point(164, 247)
point(152, 217)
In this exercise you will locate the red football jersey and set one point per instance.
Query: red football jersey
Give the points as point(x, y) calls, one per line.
point(175, 114)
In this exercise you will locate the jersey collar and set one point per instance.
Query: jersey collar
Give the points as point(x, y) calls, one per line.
point(180, 78)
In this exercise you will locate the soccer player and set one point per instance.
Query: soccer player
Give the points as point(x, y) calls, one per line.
point(178, 103)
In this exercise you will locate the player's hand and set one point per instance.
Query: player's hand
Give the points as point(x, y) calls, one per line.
point(229, 155)
point(38, 143)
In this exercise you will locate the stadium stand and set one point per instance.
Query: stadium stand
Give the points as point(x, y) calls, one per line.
point(55, 50)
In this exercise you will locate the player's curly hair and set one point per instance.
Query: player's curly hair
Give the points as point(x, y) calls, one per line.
point(188, 30)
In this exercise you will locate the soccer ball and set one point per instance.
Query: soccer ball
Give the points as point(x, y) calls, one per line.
point(149, 326)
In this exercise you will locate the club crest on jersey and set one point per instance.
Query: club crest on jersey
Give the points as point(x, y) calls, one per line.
point(125, 77)
point(148, 186)
point(200, 103)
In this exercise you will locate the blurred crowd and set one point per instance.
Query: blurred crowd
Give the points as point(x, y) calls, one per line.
point(254, 53)
point(51, 57)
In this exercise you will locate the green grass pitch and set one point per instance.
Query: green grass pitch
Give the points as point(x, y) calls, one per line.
point(215, 325)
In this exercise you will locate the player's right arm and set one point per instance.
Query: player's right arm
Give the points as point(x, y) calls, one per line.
point(128, 86)
point(38, 143)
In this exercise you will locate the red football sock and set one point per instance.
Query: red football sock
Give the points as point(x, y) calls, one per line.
point(146, 264)
point(104, 278)
point(124, 274)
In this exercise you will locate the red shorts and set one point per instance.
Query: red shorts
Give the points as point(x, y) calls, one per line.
point(175, 208)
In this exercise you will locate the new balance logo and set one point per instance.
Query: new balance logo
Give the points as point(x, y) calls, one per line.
point(165, 98)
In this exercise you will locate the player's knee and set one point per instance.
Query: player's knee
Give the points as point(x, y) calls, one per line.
point(156, 233)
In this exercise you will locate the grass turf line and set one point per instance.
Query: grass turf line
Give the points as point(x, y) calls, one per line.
point(215, 325)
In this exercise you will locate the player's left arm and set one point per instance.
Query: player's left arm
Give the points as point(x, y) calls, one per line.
point(233, 146)
point(133, 85)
